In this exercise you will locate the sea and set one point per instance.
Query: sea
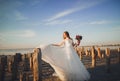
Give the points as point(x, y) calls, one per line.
point(30, 50)
point(14, 51)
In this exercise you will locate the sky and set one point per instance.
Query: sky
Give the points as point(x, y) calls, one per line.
point(30, 23)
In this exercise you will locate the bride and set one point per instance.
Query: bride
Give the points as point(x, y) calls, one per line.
point(63, 58)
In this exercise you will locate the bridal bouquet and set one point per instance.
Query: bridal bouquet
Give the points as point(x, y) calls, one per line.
point(78, 37)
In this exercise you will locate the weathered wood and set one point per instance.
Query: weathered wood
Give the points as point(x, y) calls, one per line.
point(3, 63)
point(24, 76)
point(87, 53)
point(31, 63)
point(23, 57)
point(46, 70)
point(80, 55)
point(14, 68)
point(108, 60)
point(18, 57)
point(119, 55)
point(25, 65)
point(2, 70)
point(94, 55)
point(9, 63)
point(37, 65)
point(107, 51)
point(10, 66)
point(5, 60)
point(99, 53)
point(27, 77)
point(82, 51)
point(79, 51)
point(103, 53)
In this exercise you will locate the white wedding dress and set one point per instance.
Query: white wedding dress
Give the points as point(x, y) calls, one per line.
point(65, 62)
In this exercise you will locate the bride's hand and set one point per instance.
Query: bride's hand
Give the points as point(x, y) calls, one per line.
point(54, 45)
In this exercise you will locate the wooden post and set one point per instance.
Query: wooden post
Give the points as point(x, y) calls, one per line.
point(107, 60)
point(82, 50)
point(25, 63)
point(27, 77)
point(79, 51)
point(119, 55)
point(23, 57)
point(10, 66)
point(5, 60)
point(2, 68)
point(31, 63)
point(14, 68)
point(99, 53)
point(103, 53)
point(37, 65)
point(24, 76)
point(87, 53)
point(18, 57)
point(3, 63)
point(9, 61)
point(93, 56)
point(80, 55)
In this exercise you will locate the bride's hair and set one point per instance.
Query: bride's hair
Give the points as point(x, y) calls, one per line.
point(67, 34)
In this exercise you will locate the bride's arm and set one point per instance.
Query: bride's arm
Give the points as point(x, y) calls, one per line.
point(59, 44)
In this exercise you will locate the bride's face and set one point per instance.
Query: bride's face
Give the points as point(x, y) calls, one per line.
point(64, 36)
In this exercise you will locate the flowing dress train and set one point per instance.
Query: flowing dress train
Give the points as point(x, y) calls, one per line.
point(65, 62)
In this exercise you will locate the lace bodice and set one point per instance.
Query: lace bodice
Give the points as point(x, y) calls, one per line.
point(68, 42)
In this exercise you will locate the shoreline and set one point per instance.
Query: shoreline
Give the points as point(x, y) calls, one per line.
point(101, 45)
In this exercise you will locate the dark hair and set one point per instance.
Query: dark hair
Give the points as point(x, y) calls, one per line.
point(67, 33)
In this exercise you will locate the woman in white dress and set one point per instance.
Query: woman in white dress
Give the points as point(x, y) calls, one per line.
point(63, 58)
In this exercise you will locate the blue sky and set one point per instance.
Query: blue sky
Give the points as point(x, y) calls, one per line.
point(29, 23)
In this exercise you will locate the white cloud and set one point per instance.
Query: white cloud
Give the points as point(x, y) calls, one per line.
point(56, 22)
point(85, 5)
point(99, 22)
point(62, 14)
